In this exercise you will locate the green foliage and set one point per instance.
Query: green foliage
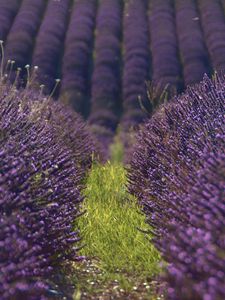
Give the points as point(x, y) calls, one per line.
point(110, 225)
point(117, 150)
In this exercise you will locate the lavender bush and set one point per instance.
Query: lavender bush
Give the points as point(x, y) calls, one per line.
point(40, 182)
point(8, 10)
point(194, 248)
point(164, 175)
point(192, 48)
point(105, 89)
point(49, 42)
point(213, 24)
point(20, 40)
point(163, 43)
point(182, 128)
point(136, 66)
point(75, 134)
point(76, 62)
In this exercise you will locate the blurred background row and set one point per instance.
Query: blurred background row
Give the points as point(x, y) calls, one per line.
point(108, 52)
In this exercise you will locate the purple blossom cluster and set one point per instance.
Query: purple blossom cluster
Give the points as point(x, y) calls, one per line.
point(194, 248)
point(41, 168)
point(8, 10)
point(105, 88)
point(48, 43)
point(192, 48)
point(163, 42)
point(172, 176)
point(77, 55)
point(20, 40)
point(75, 134)
point(213, 24)
point(136, 62)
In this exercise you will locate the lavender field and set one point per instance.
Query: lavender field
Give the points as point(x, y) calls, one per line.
point(112, 149)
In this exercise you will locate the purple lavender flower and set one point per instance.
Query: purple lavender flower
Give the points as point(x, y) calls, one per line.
point(41, 167)
point(163, 42)
point(177, 175)
point(213, 24)
point(105, 89)
point(192, 47)
point(182, 128)
point(194, 248)
point(136, 69)
point(76, 135)
point(8, 10)
point(20, 40)
point(77, 55)
point(48, 43)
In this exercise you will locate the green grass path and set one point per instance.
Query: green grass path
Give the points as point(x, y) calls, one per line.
point(121, 259)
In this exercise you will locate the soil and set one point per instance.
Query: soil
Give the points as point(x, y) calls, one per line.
point(90, 285)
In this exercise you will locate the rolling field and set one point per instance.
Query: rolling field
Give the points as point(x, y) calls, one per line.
point(106, 51)
point(112, 139)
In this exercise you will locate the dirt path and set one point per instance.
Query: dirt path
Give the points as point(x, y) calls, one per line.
point(92, 285)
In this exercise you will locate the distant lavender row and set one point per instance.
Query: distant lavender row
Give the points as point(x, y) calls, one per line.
point(77, 55)
point(136, 62)
point(213, 23)
point(21, 37)
point(105, 87)
point(163, 43)
point(192, 47)
point(48, 43)
point(182, 200)
point(179, 34)
point(8, 10)
point(40, 182)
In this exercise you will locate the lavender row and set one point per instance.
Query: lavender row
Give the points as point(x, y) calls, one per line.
point(77, 55)
point(189, 124)
point(49, 41)
point(20, 40)
point(181, 200)
point(165, 61)
point(105, 92)
point(23, 262)
point(136, 62)
point(8, 10)
point(197, 268)
point(40, 182)
point(192, 48)
point(213, 23)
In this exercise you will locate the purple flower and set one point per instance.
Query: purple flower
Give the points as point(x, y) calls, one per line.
point(77, 55)
point(213, 24)
point(21, 36)
point(165, 63)
point(45, 150)
point(136, 63)
point(8, 10)
point(177, 175)
point(194, 248)
point(105, 86)
point(48, 43)
point(191, 42)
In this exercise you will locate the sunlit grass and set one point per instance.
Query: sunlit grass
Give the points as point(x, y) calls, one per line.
point(109, 227)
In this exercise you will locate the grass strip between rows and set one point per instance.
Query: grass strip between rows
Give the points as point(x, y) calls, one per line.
point(110, 227)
